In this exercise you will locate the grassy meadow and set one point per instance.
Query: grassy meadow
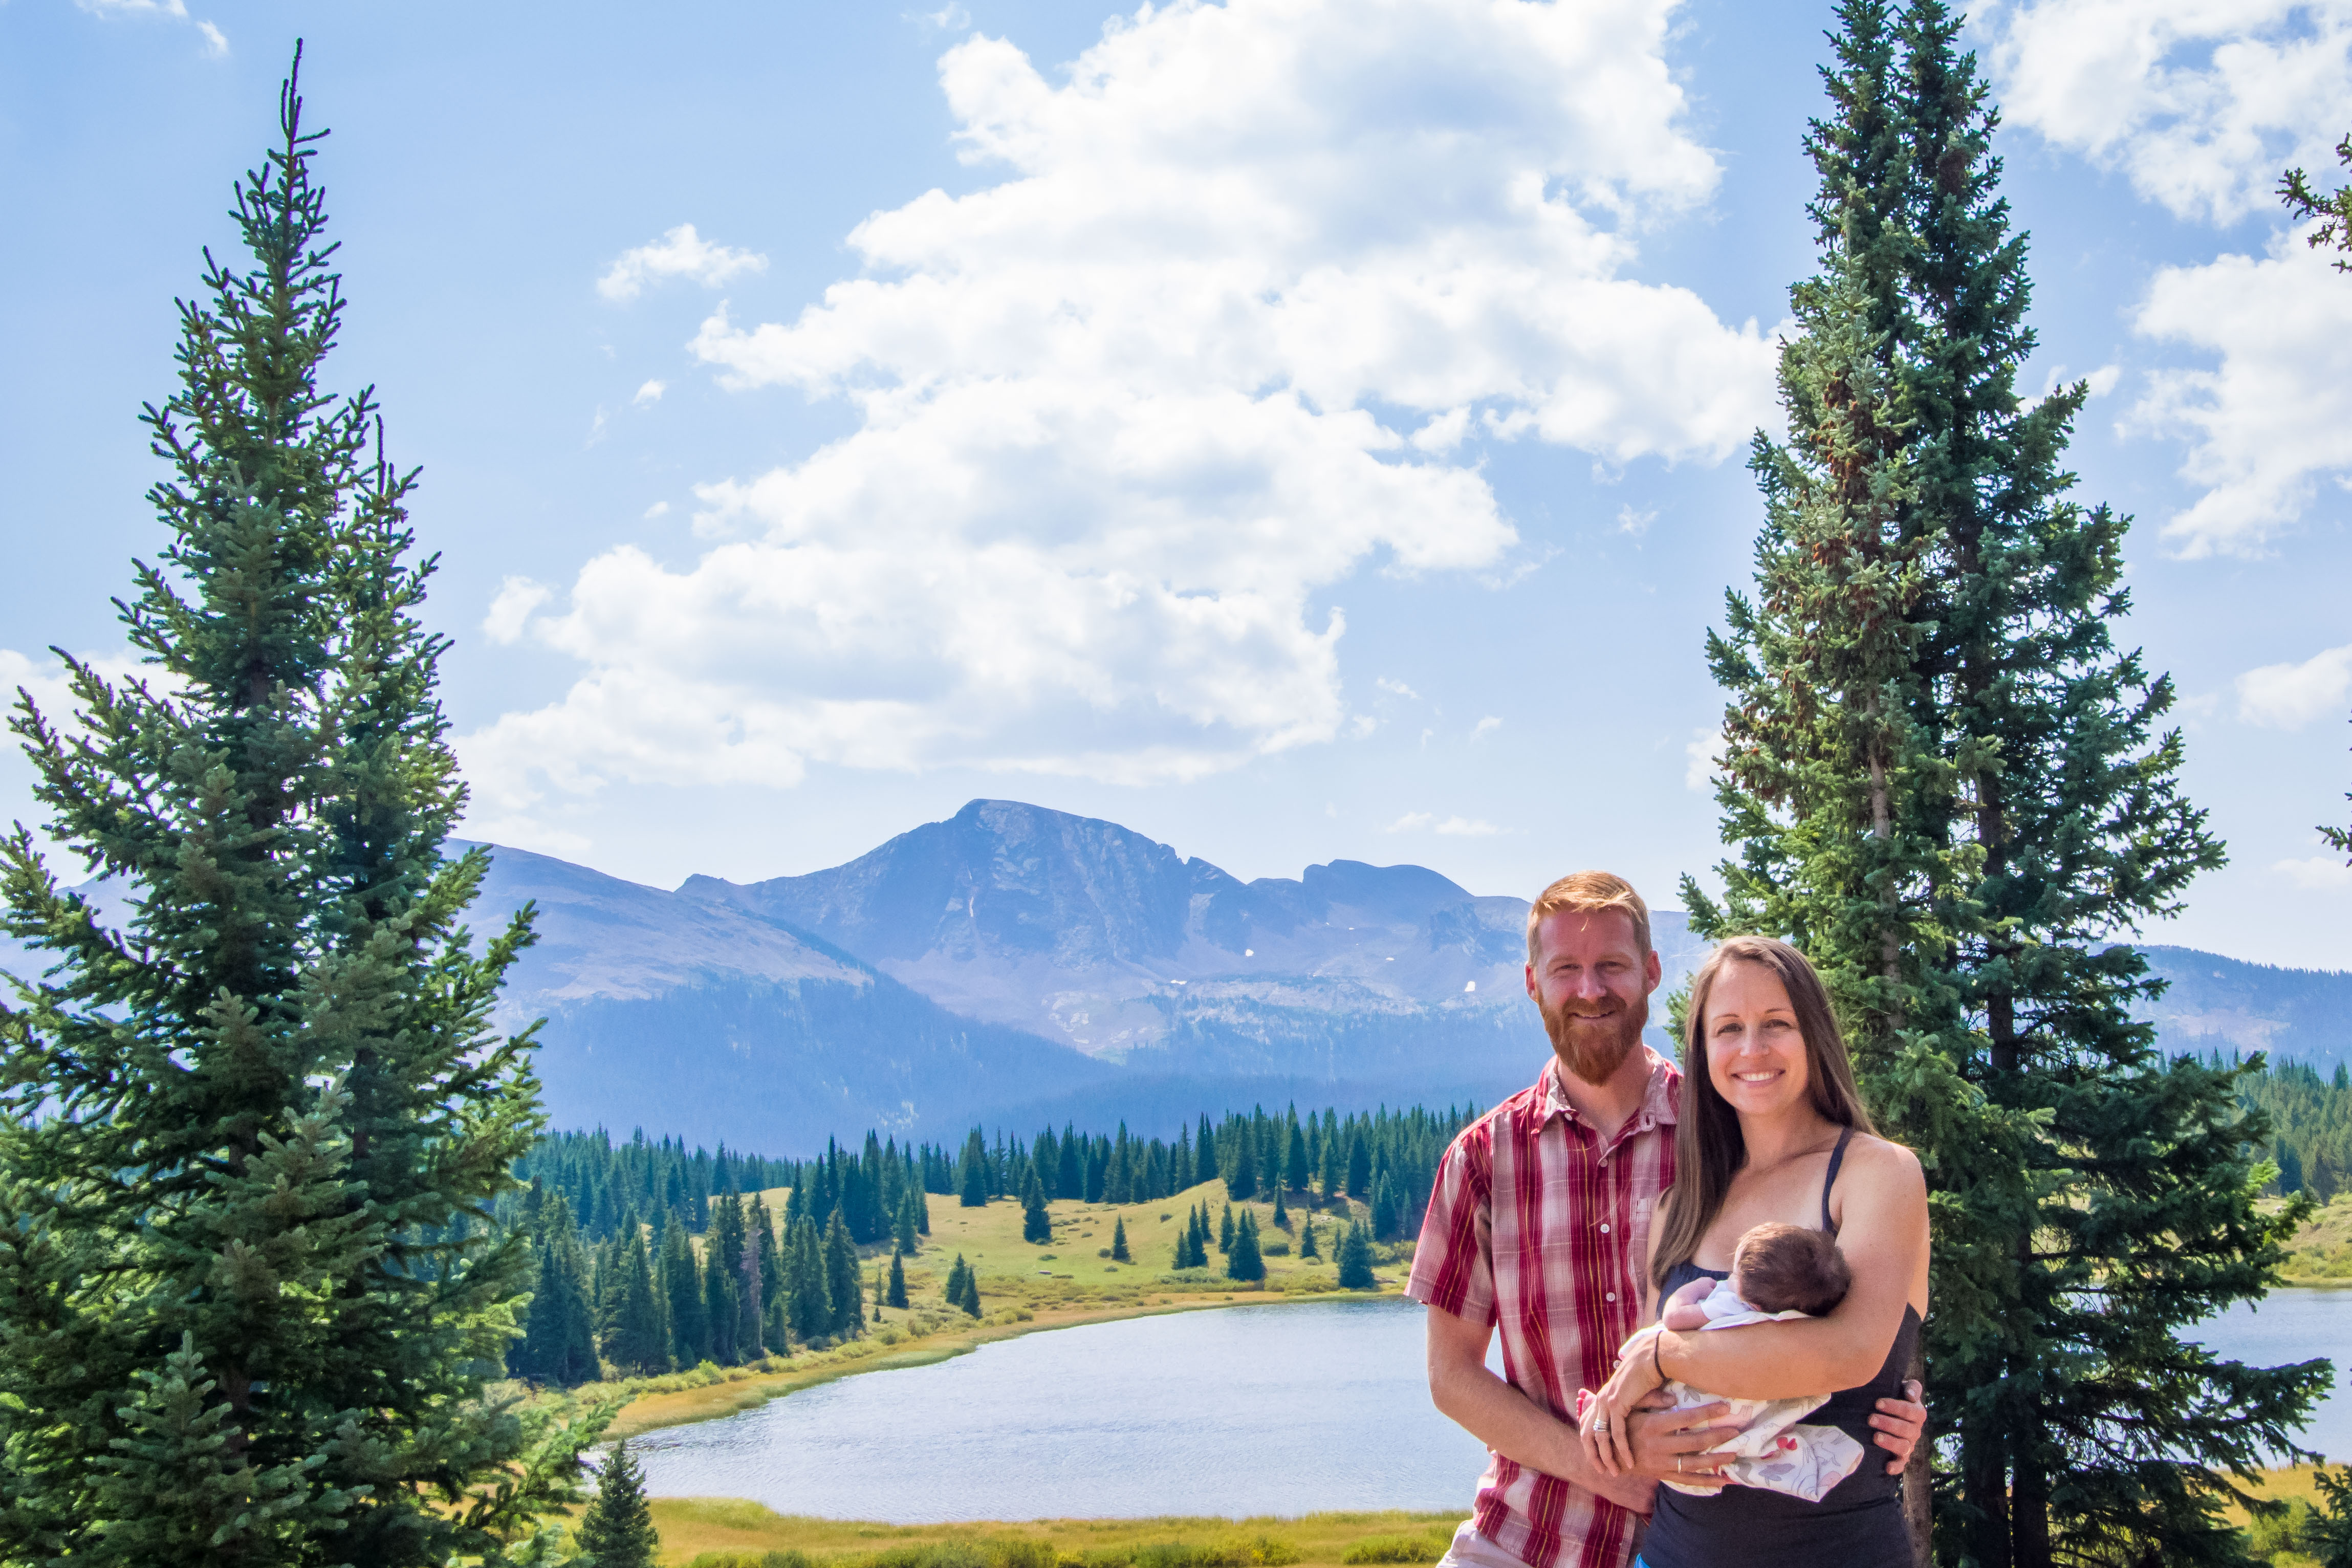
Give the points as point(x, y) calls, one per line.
point(711, 1532)
point(2322, 1251)
point(1024, 1287)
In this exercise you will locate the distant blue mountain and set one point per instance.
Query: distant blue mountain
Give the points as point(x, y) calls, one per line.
point(2226, 1004)
point(1091, 934)
point(1012, 966)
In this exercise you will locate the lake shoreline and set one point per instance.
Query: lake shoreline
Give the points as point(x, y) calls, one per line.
point(735, 1389)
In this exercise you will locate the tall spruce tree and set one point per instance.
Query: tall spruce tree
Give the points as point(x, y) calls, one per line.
point(640, 1338)
point(238, 1321)
point(806, 1287)
point(558, 1344)
point(1949, 788)
point(1036, 1224)
point(2332, 231)
point(1244, 1262)
point(842, 1281)
point(617, 1531)
point(2146, 1171)
point(1355, 1257)
point(680, 1282)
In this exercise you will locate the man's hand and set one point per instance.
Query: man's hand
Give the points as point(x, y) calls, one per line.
point(1899, 1423)
point(1672, 1445)
point(1605, 1424)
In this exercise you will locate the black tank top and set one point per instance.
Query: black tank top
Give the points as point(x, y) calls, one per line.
point(1858, 1525)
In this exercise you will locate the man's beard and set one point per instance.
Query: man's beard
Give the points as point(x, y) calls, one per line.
point(1593, 1048)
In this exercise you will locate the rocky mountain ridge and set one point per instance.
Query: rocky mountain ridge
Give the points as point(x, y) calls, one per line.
point(1013, 966)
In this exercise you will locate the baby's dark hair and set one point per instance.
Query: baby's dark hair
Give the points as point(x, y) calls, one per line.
point(1789, 1268)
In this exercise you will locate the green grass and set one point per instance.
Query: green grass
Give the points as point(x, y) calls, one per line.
point(706, 1532)
point(2321, 1253)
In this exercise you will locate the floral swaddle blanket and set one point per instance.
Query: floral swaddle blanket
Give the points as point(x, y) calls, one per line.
point(1776, 1451)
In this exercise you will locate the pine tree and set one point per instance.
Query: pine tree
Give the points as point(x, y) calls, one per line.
point(1281, 1213)
point(971, 1302)
point(1360, 1167)
point(1948, 789)
point(1355, 1254)
point(1118, 1241)
point(957, 1272)
point(239, 1312)
point(769, 1258)
point(685, 1293)
point(974, 1178)
point(1384, 1218)
point(721, 1290)
point(807, 1289)
point(560, 1343)
point(1332, 1181)
point(1036, 1225)
point(617, 1531)
point(1306, 1244)
point(1294, 1169)
point(841, 1280)
point(638, 1341)
point(1243, 1183)
point(1244, 1262)
point(898, 1292)
point(905, 1229)
point(2146, 1171)
point(1225, 1230)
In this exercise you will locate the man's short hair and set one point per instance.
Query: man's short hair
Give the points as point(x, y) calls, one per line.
point(1588, 893)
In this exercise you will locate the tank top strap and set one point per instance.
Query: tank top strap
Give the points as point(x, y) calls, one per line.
point(1837, 1158)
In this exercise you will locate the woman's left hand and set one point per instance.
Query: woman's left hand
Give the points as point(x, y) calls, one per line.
point(1608, 1442)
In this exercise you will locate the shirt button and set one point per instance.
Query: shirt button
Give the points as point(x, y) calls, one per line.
point(1612, 1295)
point(1604, 1230)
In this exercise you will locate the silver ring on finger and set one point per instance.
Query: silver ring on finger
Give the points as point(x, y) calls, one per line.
point(1678, 1464)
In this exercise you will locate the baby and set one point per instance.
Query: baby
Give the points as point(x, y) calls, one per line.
point(1777, 1271)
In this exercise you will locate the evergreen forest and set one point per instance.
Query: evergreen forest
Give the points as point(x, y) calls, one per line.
point(649, 1257)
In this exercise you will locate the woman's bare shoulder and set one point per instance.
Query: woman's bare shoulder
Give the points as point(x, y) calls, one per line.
point(1885, 1160)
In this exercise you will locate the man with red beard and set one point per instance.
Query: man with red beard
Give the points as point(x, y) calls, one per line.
point(1539, 1224)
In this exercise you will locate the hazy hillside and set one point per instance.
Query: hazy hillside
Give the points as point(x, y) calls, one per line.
point(2227, 1005)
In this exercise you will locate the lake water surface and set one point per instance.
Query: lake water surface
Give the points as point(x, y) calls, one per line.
point(1240, 1410)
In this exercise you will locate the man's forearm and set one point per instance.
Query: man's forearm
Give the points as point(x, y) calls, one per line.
point(1514, 1426)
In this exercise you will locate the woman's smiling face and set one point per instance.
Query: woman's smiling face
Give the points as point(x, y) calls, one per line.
point(1755, 1052)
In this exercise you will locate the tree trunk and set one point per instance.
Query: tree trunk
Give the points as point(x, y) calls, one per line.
point(1918, 1479)
point(1984, 1478)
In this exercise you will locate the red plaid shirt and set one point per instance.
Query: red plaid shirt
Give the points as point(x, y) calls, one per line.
point(1537, 1227)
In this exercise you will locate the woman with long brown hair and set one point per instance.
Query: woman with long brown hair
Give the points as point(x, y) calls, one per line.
point(1770, 1129)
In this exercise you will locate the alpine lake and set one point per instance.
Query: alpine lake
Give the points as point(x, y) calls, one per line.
point(1236, 1411)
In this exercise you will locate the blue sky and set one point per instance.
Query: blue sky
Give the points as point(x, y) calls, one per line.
point(1294, 429)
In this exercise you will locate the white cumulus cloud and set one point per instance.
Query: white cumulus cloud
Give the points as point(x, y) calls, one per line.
point(680, 252)
point(2275, 413)
point(2199, 103)
point(2319, 874)
point(651, 391)
point(1451, 827)
point(1702, 759)
point(510, 609)
point(2289, 696)
point(215, 41)
point(1116, 438)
